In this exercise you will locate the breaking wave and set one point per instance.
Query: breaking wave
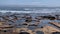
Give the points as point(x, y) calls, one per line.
point(34, 10)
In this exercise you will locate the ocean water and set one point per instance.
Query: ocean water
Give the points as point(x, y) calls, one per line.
point(30, 9)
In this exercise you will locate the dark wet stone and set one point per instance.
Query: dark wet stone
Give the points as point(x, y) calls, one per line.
point(39, 32)
point(24, 33)
point(56, 33)
point(28, 20)
point(24, 24)
point(41, 26)
point(5, 31)
point(33, 25)
point(10, 24)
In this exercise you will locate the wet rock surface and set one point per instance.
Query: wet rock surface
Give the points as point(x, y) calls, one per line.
point(24, 33)
point(39, 32)
point(56, 33)
point(30, 21)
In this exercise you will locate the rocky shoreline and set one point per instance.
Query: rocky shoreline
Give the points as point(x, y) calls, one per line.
point(8, 24)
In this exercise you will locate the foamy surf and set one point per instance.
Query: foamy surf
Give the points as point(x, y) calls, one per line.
point(38, 11)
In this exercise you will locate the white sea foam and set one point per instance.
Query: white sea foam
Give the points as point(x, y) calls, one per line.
point(34, 11)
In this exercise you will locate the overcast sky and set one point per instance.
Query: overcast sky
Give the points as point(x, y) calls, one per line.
point(31, 2)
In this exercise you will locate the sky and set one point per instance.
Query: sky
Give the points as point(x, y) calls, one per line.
point(31, 2)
